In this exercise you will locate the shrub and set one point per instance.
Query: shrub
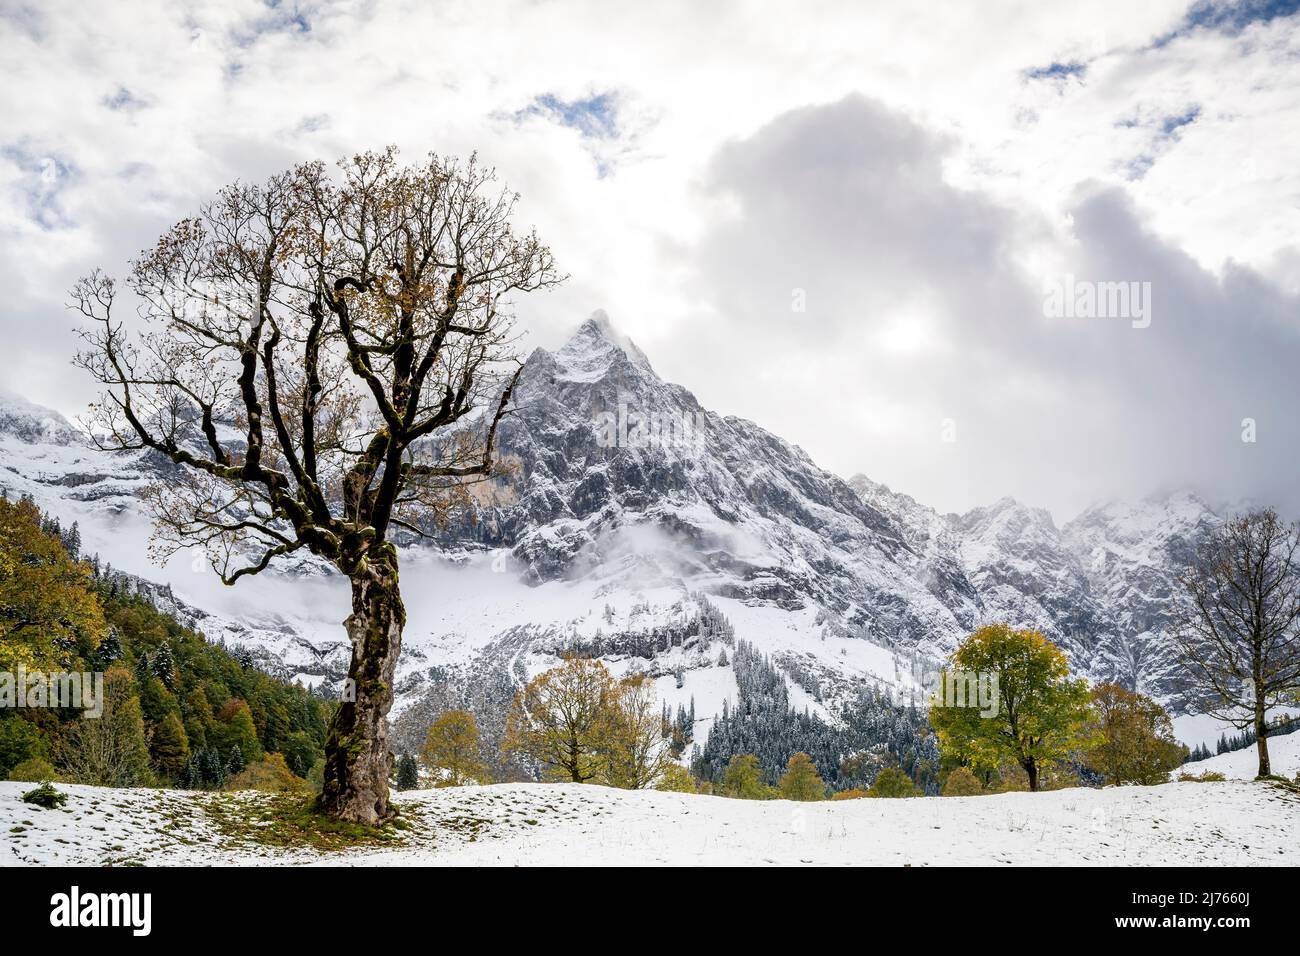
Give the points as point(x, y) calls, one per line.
point(45, 796)
point(270, 773)
point(962, 783)
point(677, 779)
point(34, 770)
point(316, 776)
point(855, 794)
point(19, 741)
point(892, 782)
point(1208, 776)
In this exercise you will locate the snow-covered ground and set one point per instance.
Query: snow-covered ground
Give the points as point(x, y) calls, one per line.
point(1283, 756)
point(1232, 823)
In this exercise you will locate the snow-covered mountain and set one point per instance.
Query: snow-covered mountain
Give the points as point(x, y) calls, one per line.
point(722, 506)
point(635, 522)
point(289, 630)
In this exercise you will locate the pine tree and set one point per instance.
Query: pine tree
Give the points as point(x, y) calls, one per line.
point(163, 665)
point(408, 775)
point(109, 650)
point(198, 718)
point(72, 541)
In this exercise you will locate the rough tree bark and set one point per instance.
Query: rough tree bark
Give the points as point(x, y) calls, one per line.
point(358, 762)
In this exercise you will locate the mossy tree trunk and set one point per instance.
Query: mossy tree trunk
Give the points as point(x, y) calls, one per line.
point(357, 759)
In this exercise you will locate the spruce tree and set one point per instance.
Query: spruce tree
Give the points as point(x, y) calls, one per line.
point(408, 775)
point(109, 650)
point(163, 665)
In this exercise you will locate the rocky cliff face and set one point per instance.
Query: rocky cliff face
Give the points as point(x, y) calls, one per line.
point(622, 475)
point(624, 498)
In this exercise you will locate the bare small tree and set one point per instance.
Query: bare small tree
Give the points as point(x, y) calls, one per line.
point(1239, 636)
point(328, 359)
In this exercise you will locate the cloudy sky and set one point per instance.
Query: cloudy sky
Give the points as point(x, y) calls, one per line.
point(839, 220)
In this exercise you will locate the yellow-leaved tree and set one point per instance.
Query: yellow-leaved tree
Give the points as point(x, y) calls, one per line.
point(1137, 743)
point(801, 780)
point(576, 722)
point(48, 608)
point(633, 745)
point(1041, 713)
point(560, 718)
point(451, 750)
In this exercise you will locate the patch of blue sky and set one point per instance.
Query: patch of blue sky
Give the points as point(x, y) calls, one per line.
point(1229, 16)
point(595, 117)
point(1057, 71)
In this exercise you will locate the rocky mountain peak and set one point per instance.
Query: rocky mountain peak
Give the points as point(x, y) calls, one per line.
point(595, 348)
point(32, 424)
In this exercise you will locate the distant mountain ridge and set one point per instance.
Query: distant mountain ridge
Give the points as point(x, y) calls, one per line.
point(747, 515)
point(840, 581)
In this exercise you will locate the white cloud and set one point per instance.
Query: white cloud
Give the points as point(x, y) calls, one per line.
point(978, 151)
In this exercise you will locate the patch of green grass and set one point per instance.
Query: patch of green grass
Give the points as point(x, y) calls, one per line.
point(289, 821)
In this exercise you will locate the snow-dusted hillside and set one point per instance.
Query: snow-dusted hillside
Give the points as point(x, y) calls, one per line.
point(291, 629)
point(1178, 824)
point(1283, 758)
point(631, 510)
